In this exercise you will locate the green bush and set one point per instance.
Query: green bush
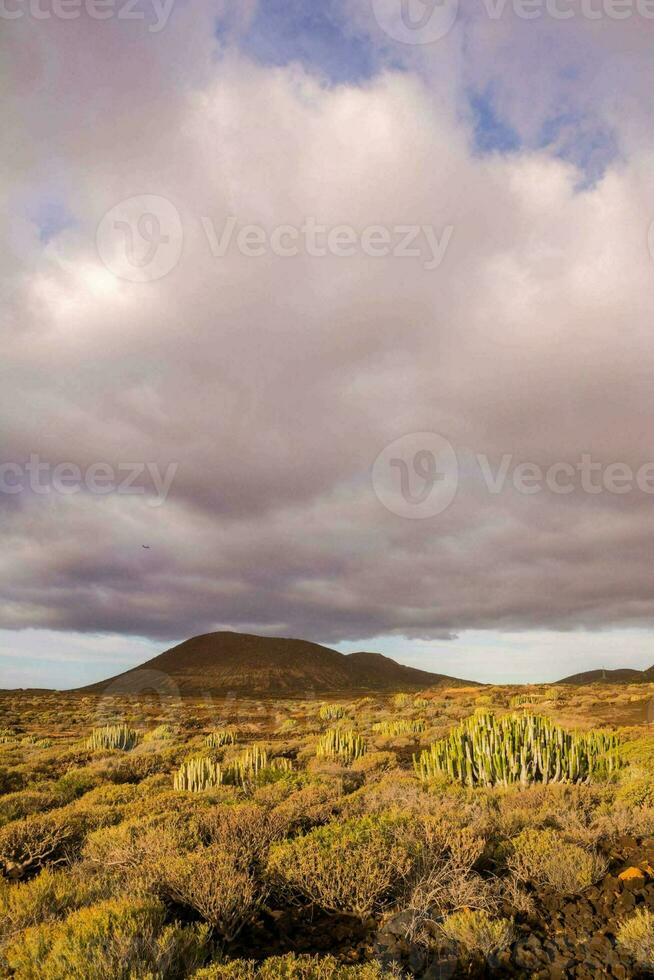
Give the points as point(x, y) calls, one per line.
point(543, 857)
point(477, 931)
point(635, 936)
point(357, 866)
point(119, 939)
point(293, 967)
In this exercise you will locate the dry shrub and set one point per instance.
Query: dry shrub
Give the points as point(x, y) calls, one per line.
point(477, 931)
point(358, 866)
point(635, 936)
point(119, 939)
point(29, 844)
point(211, 881)
point(310, 806)
point(246, 831)
point(375, 762)
point(135, 854)
point(542, 857)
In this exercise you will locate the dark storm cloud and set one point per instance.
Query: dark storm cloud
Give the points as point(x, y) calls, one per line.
point(272, 383)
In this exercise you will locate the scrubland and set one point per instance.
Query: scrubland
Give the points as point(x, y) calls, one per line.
point(455, 833)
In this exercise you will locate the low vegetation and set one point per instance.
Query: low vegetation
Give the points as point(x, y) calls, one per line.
point(361, 841)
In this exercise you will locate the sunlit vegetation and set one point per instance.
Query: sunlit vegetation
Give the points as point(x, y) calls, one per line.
point(142, 840)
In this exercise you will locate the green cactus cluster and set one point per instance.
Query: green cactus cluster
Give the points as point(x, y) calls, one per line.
point(197, 775)
point(219, 738)
point(112, 737)
point(400, 726)
point(340, 744)
point(526, 748)
point(331, 712)
point(252, 764)
point(519, 699)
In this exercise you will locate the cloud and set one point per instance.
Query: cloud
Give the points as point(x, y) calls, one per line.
point(273, 383)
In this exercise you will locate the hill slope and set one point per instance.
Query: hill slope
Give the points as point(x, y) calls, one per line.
point(622, 675)
point(246, 665)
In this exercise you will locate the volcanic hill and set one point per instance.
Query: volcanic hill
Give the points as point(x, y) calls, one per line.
point(245, 665)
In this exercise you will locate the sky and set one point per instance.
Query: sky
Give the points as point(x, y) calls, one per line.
point(329, 321)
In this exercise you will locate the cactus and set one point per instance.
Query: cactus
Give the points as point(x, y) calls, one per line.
point(343, 745)
point(519, 699)
point(223, 736)
point(198, 774)
point(518, 749)
point(331, 712)
point(401, 726)
point(251, 765)
point(112, 737)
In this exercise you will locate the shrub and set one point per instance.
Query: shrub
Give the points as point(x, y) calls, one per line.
point(75, 783)
point(118, 939)
point(29, 844)
point(340, 745)
point(246, 831)
point(294, 967)
point(518, 749)
point(50, 895)
point(135, 853)
point(635, 936)
point(356, 866)
point(112, 737)
point(210, 881)
point(544, 858)
point(15, 806)
point(375, 762)
point(477, 931)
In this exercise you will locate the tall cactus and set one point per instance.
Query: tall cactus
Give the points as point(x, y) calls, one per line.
point(198, 774)
point(331, 712)
point(401, 726)
point(517, 749)
point(112, 737)
point(343, 745)
point(223, 736)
